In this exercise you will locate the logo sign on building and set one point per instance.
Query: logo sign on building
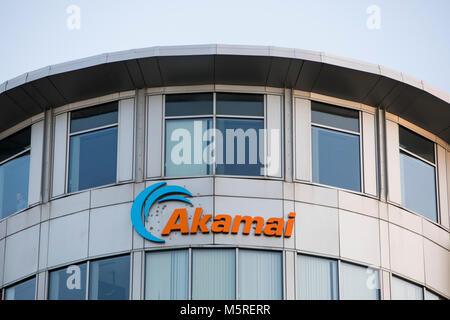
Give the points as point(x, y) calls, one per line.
point(220, 223)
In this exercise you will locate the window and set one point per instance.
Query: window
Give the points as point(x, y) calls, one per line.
point(418, 174)
point(432, 296)
point(109, 279)
point(317, 278)
point(209, 133)
point(213, 274)
point(93, 147)
point(25, 290)
point(260, 275)
point(68, 283)
point(166, 275)
point(405, 290)
point(335, 135)
point(359, 283)
point(14, 172)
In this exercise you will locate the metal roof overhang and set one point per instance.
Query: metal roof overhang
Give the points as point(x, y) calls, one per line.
point(374, 85)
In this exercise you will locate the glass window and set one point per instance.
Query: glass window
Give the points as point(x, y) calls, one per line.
point(359, 283)
point(331, 116)
point(190, 104)
point(235, 147)
point(260, 275)
point(14, 172)
point(243, 148)
point(405, 290)
point(213, 274)
point(416, 144)
point(25, 290)
point(68, 283)
point(432, 296)
point(241, 104)
point(109, 279)
point(317, 278)
point(93, 153)
point(185, 147)
point(166, 275)
point(418, 177)
point(336, 158)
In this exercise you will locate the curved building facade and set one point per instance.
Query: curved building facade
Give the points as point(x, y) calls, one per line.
point(223, 172)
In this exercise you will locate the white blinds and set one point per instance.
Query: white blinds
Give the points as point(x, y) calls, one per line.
point(405, 290)
point(213, 274)
point(167, 275)
point(359, 283)
point(317, 278)
point(260, 275)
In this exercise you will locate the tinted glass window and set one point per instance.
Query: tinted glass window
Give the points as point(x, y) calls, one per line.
point(418, 186)
point(14, 176)
point(336, 159)
point(260, 275)
point(15, 144)
point(166, 275)
point(93, 159)
point(68, 283)
point(213, 274)
point(240, 104)
point(185, 146)
point(331, 116)
point(317, 278)
point(22, 291)
point(189, 104)
point(416, 144)
point(242, 145)
point(94, 117)
point(359, 283)
point(405, 290)
point(109, 279)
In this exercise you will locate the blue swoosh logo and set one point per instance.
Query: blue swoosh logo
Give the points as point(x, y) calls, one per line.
point(156, 192)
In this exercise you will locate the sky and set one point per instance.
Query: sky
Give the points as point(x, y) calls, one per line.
point(410, 36)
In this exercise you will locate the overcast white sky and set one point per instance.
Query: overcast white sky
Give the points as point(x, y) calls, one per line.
point(414, 35)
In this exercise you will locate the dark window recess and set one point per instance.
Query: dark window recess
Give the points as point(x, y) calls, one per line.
point(15, 144)
point(416, 144)
point(241, 104)
point(190, 104)
point(94, 117)
point(331, 116)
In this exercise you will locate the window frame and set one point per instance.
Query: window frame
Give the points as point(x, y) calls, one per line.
point(213, 117)
point(354, 133)
point(436, 174)
point(71, 134)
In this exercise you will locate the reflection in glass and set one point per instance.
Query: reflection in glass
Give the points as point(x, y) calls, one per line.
point(336, 159)
point(189, 104)
point(68, 283)
point(242, 137)
point(14, 176)
point(405, 290)
point(185, 146)
point(25, 290)
point(213, 274)
point(416, 144)
point(166, 275)
point(109, 279)
point(15, 144)
point(93, 159)
point(418, 186)
point(331, 116)
point(95, 117)
point(241, 104)
point(359, 283)
point(317, 278)
point(260, 275)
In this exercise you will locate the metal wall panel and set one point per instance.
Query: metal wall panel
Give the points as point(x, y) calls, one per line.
point(37, 144)
point(125, 140)
point(442, 180)
point(302, 139)
point(394, 186)
point(154, 135)
point(59, 155)
point(274, 137)
point(369, 153)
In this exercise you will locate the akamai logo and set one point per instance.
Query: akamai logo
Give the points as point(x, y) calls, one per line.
point(222, 223)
